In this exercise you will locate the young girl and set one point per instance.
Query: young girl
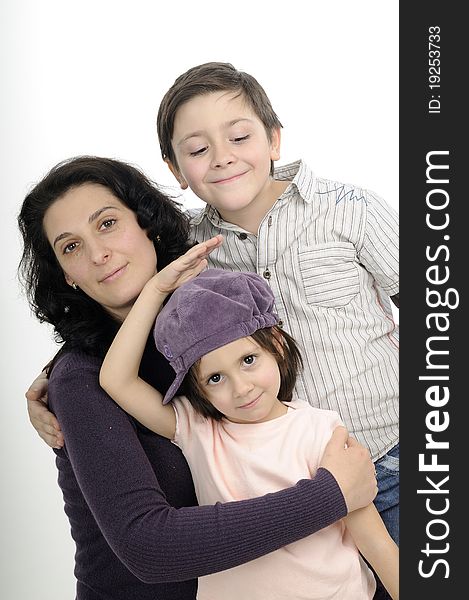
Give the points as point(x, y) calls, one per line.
point(239, 430)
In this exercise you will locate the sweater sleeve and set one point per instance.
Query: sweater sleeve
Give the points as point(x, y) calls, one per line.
point(156, 542)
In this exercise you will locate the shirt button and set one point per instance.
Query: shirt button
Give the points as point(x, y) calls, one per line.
point(280, 323)
point(266, 274)
point(243, 236)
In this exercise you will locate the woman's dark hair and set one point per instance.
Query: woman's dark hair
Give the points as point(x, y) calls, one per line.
point(272, 339)
point(78, 320)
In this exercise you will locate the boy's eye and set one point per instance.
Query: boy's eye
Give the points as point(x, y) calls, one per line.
point(199, 151)
point(249, 360)
point(241, 138)
point(214, 379)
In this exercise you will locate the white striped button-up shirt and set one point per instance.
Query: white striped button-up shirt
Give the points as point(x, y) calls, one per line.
point(330, 254)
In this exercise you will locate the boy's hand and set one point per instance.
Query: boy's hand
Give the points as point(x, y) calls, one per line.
point(351, 465)
point(43, 421)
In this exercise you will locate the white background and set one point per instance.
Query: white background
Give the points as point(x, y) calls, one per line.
point(86, 78)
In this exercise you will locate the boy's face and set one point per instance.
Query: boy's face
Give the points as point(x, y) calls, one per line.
point(223, 152)
point(242, 381)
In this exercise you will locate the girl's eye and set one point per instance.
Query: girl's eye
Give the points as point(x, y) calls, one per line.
point(199, 151)
point(214, 379)
point(106, 224)
point(70, 247)
point(249, 360)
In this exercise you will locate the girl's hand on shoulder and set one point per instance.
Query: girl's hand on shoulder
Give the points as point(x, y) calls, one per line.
point(184, 268)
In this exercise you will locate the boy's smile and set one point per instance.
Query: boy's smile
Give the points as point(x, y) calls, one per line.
point(224, 155)
point(229, 179)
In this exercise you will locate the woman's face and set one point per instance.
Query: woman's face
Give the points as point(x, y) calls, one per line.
point(100, 246)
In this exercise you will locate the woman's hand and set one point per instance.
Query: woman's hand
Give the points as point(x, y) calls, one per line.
point(43, 421)
point(351, 465)
point(184, 268)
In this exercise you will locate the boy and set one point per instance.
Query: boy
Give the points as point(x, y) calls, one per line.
point(328, 250)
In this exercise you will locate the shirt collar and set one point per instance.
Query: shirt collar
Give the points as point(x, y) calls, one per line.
point(302, 181)
point(197, 215)
point(301, 177)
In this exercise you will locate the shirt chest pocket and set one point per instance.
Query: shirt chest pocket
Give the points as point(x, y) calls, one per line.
point(330, 274)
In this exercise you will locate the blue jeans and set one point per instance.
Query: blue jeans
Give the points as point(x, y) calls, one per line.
point(387, 500)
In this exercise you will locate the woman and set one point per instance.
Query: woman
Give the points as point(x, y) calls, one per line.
point(95, 231)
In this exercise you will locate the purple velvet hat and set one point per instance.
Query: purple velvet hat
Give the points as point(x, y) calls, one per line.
point(210, 311)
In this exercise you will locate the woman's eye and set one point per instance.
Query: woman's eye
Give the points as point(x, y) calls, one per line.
point(214, 379)
point(107, 223)
point(70, 247)
point(249, 360)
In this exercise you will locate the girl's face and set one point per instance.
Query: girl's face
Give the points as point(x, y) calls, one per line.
point(100, 246)
point(242, 381)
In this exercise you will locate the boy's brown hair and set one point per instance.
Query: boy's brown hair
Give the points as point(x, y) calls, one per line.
point(204, 79)
point(272, 339)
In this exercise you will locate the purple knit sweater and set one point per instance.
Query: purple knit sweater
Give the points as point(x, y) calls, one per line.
point(130, 500)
